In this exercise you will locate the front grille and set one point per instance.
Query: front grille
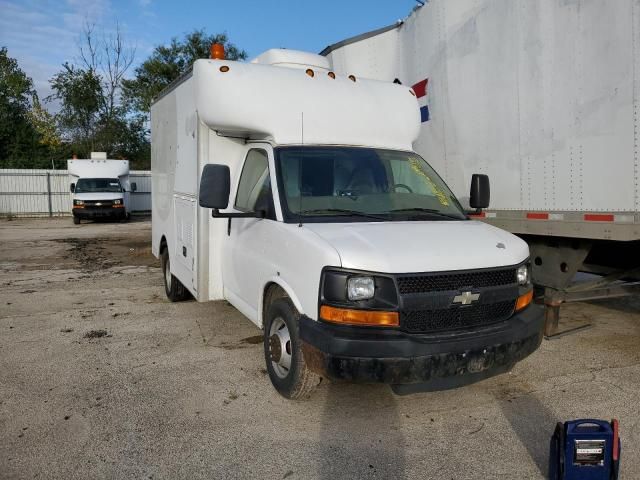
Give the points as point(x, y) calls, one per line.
point(417, 321)
point(94, 203)
point(455, 281)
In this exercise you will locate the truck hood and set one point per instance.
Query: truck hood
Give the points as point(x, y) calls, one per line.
point(403, 247)
point(98, 196)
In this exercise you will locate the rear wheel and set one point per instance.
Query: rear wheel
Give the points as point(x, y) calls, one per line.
point(76, 220)
point(287, 369)
point(172, 287)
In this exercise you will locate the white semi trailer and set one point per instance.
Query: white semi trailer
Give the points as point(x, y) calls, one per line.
point(293, 193)
point(543, 97)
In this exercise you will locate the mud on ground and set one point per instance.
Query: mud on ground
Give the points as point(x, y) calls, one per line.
point(102, 377)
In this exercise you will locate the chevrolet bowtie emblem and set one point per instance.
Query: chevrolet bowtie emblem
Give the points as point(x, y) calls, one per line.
point(466, 298)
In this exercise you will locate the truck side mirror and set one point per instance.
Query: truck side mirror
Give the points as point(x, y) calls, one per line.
point(215, 185)
point(72, 187)
point(134, 186)
point(480, 191)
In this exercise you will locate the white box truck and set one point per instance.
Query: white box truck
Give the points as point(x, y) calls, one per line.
point(544, 97)
point(294, 193)
point(100, 188)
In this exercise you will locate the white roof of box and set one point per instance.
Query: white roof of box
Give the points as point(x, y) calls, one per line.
point(98, 168)
point(288, 106)
point(281, 57)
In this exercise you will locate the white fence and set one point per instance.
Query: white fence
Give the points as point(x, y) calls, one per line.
point(35, 193)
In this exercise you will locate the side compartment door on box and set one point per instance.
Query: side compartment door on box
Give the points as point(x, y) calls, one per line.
point(183, 266)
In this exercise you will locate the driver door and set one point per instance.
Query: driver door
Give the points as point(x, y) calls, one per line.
point(246, 258)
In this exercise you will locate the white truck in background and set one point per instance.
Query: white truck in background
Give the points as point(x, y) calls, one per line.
point(293, 193)
point(100, 188)
point(543, 97)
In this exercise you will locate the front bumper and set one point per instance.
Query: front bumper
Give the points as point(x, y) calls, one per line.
point(420, 362)
point(99, 212)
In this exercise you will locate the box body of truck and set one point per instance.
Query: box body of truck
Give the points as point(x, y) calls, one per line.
point(267, 177)
point(542, 96)
point(100, 188)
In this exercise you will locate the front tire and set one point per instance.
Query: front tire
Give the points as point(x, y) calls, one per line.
point(287, 369)
point(76, 220)
point(174, 290)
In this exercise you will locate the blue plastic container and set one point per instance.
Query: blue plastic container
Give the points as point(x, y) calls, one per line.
point(585, 450)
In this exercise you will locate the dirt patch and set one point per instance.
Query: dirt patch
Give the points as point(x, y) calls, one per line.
point(244, 343)
point(96, 334)
point(102, 252)
point(255, 340)
point(89, 253)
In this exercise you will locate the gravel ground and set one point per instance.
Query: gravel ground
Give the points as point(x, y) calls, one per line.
point(102, 377)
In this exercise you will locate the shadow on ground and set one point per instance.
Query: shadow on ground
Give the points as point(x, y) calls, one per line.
point(360, 439)
point(533, 423)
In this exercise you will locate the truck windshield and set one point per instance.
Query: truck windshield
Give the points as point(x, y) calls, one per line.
point(89, 185)
point(361, 184)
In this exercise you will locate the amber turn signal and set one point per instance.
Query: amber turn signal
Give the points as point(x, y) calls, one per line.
point(524, 300)
point(348, 316)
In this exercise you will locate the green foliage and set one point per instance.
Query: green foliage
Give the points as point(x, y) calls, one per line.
point(45, 124)
point(81, 98)
point(168, 62)
point(16, 89)
point(92, 116)
point(99, 109)
point(21, 143)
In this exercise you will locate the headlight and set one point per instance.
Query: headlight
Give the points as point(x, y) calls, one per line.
point(78, 202)
point(116, 202)
point(360, 288)
point(523, 275)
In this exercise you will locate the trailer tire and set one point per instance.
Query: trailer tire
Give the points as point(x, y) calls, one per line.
point(174, 290)
point(282, 347)
point(76, 220)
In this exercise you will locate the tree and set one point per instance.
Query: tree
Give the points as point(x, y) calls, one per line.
point(168, 62)
point(81, 98)
point(92, 115)
point(110, 58)
point(21, 143)
point(45, 124)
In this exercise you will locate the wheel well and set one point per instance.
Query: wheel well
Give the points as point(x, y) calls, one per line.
point(272, 292)
point(163, 244)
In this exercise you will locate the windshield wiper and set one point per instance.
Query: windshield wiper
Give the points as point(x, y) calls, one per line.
point(430, 211)
point(343, 213)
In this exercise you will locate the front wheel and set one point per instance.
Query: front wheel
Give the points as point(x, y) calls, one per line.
point(172, 287)
point(76, 220)
point(287, 369)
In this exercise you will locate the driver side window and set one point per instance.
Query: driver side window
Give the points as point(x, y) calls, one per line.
point(254, 189)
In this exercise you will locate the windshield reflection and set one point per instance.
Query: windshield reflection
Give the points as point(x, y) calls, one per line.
point(362, 183)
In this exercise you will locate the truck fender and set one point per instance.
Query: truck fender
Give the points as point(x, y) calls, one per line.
point(288, 290)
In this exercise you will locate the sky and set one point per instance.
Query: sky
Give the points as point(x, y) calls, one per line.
point(43, 34)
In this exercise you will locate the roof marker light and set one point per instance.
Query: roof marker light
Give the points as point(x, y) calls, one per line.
point(224, 69)
point(332, 75)
point(310, 72)
point(352, 78)
point(216, 51)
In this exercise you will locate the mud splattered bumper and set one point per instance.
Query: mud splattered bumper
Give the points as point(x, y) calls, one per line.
point(413, 362)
